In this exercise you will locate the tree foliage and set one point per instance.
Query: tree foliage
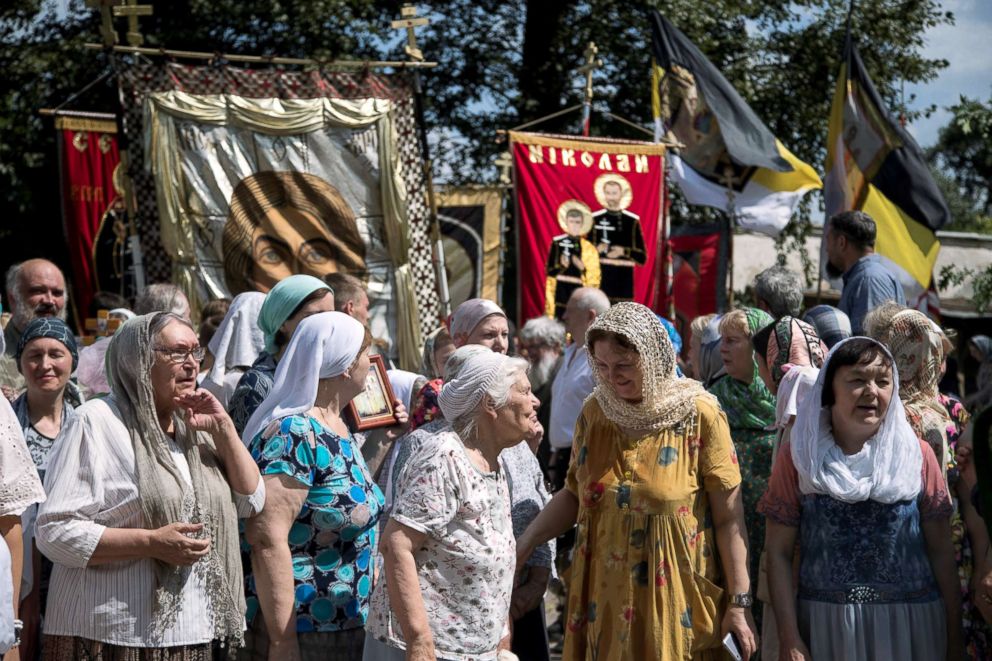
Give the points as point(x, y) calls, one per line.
point(502, 63)
point(964, 150)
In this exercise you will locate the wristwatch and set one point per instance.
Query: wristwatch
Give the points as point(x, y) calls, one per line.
point(18, 627)
point(741, 600)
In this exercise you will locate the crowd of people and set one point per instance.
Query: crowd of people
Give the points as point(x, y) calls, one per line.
point(792, 484)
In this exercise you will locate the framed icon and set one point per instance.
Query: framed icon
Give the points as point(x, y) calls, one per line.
point(373, 407)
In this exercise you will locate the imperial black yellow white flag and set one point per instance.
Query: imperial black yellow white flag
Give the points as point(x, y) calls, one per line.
point(873, 164)
point(730, 157)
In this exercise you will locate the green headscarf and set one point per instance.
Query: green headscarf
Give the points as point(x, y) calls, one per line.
point(280, 303)
point(747, 405)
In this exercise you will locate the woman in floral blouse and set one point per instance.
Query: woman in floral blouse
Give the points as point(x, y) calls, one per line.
point(449, 547)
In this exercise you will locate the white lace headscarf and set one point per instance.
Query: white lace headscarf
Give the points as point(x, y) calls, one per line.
point(238, 339)
point(886, 470)
point(667, 400)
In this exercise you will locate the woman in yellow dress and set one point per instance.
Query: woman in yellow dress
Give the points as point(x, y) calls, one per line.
point(655, 489)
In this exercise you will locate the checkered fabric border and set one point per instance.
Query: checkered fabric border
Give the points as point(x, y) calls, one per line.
point(141, 77)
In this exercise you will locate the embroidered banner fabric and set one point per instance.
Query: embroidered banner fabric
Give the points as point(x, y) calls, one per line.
point(588, 214)
point(245, 176)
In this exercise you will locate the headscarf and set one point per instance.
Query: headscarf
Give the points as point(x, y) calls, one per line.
point(886, 470)
point(165, 495)
point(123, 314)
point(428, 367)
point(50, 327)
point(280, 303)
point(747, 405)
point(479, 368)
point(468, 315)
point(666, 400)
point(92, 371)
point(793, 343)
point(831, 324)
point(710, 362)
point(918, 351)
point(403, 384)
point(324, 345)
point(238, 339)
point(673, 334)
point(984, 345)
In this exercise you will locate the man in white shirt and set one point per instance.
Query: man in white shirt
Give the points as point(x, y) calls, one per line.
point(573, 383)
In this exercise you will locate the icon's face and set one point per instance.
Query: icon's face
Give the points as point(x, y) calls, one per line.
point(612, 193)
point(573, 223)
point(290, 241)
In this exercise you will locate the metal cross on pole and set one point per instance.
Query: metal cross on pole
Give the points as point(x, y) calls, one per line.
point(588, 68)
point(408, 22)
point(132, 10)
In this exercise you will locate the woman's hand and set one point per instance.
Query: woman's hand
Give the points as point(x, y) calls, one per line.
point(203, 412)
point(402, 418)
point(172, 544)
point(794, 651)
point(739, 622)
point(526, 598)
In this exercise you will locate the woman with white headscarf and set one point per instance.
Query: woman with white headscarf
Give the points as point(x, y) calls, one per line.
point(145, 488)
point(448, 546)
point(312, 547)
point(654, 486)
point(867, 503)
point(235, 345)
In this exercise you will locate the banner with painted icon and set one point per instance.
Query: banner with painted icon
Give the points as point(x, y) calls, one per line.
point(469, 219)
point(589, 214)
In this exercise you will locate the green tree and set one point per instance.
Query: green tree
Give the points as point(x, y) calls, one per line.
point(964, 151)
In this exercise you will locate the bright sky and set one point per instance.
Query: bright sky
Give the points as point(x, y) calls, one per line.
point(966, 46)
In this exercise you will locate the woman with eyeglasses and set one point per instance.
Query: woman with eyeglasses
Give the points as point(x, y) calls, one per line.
point(145, 490)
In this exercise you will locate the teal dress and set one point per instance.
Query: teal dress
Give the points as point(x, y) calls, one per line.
point(333, 539)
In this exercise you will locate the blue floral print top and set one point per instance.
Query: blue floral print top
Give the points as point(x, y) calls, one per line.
point(333, 539)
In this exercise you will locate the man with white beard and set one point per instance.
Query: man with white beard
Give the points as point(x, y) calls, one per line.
point(35, 288)
point(542, 341)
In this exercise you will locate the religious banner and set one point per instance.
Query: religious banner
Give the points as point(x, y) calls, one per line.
point(247, 176)
point(470, 234)
point(699, 272)
point(93, 210)
point(589, 215)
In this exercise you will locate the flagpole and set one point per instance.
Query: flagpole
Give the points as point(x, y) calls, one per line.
point(591, 65)
point(731, 215)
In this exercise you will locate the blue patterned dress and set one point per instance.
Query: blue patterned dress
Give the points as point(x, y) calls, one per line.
point(333, 539)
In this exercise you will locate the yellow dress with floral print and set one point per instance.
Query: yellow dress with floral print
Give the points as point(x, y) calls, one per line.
point(645, 576)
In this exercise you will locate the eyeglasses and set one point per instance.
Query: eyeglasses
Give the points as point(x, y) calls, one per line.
point(180, 356)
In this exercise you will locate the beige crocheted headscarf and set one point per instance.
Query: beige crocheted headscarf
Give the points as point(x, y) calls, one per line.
point(667, 400)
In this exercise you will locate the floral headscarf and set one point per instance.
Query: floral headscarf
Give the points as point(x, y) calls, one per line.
point(667, 400)
point(793, 343)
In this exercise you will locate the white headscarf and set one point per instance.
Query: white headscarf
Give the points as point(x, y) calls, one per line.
point(886, 470)
point(403, 383)
point(793, 390)
point(323, 346)
point(472, 371)
point(238, 339)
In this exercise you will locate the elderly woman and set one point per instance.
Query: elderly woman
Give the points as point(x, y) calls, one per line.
point(750, 410)
point(655, 488)
point(312, 547)
point(235, 346)
point(292, 300)
point(918, 349)
point(696, 330)
point(20, 489)
point(480, 321)
point(448, 547)
point(867, 503)
point(46, 355)
point(144, 491)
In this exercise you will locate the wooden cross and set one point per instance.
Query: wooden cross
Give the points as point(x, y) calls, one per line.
point(132, 10)
point(504, 162)
point(589, 67)
point(408, 22)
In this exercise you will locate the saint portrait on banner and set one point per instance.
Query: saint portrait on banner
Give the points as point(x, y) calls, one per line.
point(572, 259)
point(617, 235)
point(283, 223)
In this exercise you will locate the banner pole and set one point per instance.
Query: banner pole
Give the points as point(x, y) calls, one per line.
point(731, 214)
point(591, 65)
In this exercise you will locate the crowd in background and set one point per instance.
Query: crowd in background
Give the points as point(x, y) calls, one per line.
point(798, 484)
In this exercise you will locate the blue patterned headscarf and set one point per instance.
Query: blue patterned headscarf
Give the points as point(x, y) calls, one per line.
point(673, 334)
point(52, 327)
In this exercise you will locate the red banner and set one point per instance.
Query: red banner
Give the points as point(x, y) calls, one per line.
point(699, 273)
point(589, 214)
point(91, 205)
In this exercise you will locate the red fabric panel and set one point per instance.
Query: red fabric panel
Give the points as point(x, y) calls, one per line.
point(88, 162)
point(549, 171)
